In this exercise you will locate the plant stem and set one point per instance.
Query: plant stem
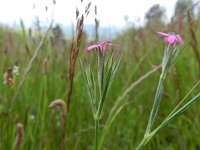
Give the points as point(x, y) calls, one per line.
point(142, 143)
point(176, 114)
point(154, 110)
point(120, 102)
point(96, 132)
point(156, 104)
point(145, 140)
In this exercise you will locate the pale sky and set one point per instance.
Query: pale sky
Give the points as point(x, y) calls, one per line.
point(110, 12)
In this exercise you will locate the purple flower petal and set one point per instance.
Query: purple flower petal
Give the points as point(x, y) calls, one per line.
point(179, 40)
point(92, 47)
point(100, 46)
point(163, 34)
point(104, 45)
point(171, 39)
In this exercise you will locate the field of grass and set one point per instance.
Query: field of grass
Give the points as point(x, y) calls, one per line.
point(143, 51)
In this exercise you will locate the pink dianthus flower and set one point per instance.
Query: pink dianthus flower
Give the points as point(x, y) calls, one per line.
point(100, 46)
point(172, 38)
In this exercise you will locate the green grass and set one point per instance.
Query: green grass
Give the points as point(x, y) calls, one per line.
point(43, 127)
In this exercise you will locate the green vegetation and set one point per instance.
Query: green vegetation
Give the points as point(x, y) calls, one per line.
point(142, 52)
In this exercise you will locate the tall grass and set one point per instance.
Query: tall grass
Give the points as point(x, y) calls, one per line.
point(126, 109)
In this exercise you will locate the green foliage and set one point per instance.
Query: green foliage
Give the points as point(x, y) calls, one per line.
point(142, 52)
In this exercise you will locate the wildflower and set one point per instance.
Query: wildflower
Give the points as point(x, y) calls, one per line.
point(172, 38)
point(100, 46)
point(98, 83)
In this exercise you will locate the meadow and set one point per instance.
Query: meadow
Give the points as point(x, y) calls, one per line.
point(44, 76)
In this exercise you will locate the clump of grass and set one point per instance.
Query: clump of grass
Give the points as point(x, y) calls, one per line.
point(29, 65)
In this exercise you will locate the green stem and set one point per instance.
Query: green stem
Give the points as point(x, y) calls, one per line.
point(96, 132)
point(154, 110)
point(168, 120)
point(156, 104)
point(145, 140)
point(142, 143)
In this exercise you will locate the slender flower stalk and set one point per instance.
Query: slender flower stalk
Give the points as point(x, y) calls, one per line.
point(171, 53)
point(155, 104)
point(106, 69)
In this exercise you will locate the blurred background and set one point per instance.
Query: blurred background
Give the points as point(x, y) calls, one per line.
point(36, 68)
point(112, 15)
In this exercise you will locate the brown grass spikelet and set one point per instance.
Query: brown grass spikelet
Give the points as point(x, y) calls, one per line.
point(62, 106)
point(75, 46)
point(9, 78)
point(63, 110)
point(20, 135)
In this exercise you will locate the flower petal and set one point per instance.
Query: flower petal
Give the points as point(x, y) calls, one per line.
point(104, 45)
point(179, 40)
point(166, 40)
point(163, 34)
point(171, 39)
point(100, 46)
point(89, 48)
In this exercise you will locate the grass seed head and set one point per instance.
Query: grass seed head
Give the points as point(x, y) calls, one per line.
point(62, 107)
point(20, 135)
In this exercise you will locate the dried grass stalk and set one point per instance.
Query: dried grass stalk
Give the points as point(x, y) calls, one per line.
point(62, 107)
point(75, 46)
point(20, 135)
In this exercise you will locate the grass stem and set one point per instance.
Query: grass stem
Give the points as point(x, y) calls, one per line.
point(96, 132)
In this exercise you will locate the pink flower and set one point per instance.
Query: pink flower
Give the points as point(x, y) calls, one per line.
point(100, 46)
point(172, 38)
